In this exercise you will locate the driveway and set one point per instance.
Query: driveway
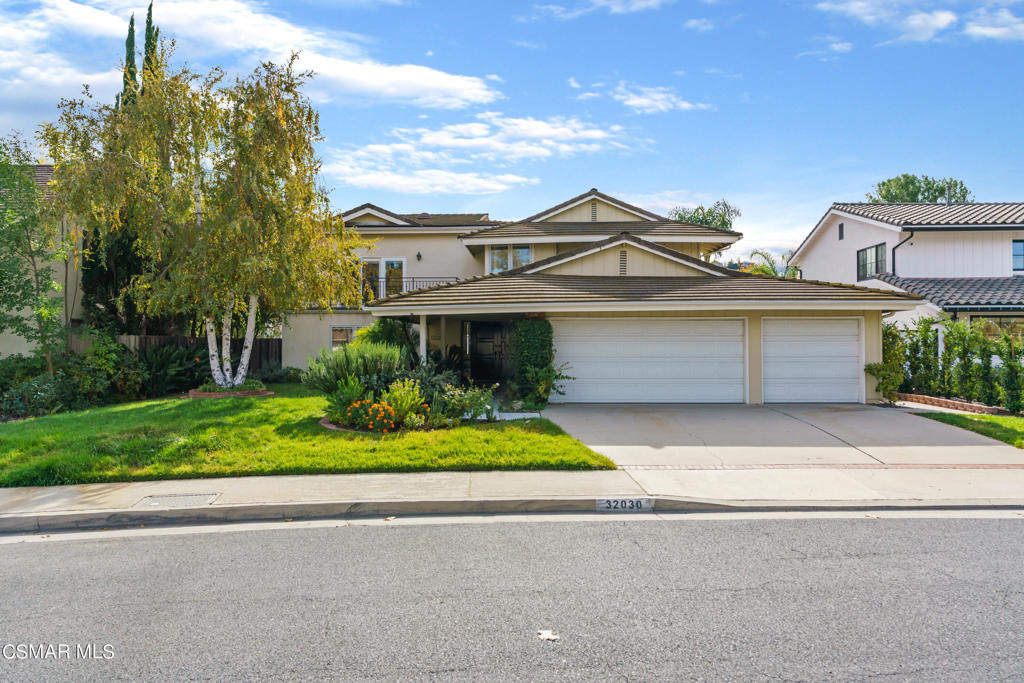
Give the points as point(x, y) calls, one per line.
point(703, 435)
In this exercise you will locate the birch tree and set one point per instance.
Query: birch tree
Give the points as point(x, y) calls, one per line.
point(222, 177)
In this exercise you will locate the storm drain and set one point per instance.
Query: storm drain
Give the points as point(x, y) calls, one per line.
point(177, 500)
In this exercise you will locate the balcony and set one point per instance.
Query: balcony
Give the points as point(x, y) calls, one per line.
point(387, 286)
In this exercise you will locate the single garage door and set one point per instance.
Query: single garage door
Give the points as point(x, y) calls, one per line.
point(815, 360)
point(651, 360)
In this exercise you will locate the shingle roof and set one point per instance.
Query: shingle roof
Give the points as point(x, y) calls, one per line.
point(42, 173)
point(594, 192)
point(963, 293)
point(649, 229)
point(531, 290)
point(916, 216)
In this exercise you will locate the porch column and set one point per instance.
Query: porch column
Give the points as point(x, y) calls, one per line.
point(444, 338)
point(423, 339)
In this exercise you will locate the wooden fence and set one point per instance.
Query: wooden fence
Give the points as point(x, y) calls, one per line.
point(264, 351)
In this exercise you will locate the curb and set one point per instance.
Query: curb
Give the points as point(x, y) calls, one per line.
point(278, 512)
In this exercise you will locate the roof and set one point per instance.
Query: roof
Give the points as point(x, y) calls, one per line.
point(942, 215)
point(594, 192)
point(425, 219)
point(964, 293)
point(42, 173)
point(663, 229)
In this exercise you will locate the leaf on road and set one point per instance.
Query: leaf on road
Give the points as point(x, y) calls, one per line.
point(547, 635)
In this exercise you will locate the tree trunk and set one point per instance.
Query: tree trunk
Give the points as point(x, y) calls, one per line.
point(250, 333)
point(211, 344)
point(225, 341)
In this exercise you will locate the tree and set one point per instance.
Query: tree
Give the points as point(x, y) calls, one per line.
point(129, 80)
point(223, 179)
point(31, 305)
point(719, 215)
point(913, 188)
point(767, 263)
point(150, 46)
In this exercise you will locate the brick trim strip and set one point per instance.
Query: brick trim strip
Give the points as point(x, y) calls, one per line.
point(834, 466)
point(955, 405)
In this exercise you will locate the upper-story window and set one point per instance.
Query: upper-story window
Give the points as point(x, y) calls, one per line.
point(870, 261)
point(840, 231)
point(507, 257)
point(382, 277)
point(1018, 256)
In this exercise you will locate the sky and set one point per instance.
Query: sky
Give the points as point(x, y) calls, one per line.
point(780, 106)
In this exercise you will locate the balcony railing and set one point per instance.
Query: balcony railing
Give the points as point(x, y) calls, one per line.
point(388, 286)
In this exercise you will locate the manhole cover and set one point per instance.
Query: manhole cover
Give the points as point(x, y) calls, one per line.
point(177, 500)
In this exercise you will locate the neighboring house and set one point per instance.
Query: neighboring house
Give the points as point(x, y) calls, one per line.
point(68, 275)
point(639, 314)
point(965, 260)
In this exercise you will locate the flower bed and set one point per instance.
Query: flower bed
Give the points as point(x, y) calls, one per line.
point(953, 404)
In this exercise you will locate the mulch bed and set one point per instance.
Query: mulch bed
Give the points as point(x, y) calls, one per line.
point(980, 408)
point(326, 423)
point(228, 394)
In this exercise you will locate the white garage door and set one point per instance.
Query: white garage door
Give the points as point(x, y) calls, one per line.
point(651, 360)
point(812, 360)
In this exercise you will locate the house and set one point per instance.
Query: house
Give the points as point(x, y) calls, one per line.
point(965, 260)
point(639, 313)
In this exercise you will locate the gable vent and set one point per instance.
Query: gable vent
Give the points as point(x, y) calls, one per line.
point(623, 262)
point(593, 210)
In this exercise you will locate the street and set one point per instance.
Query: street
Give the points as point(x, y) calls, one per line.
point(737, 598)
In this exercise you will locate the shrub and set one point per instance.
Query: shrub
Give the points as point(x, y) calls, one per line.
point(984, 374)
point(543, 382)
point(375, 417)
point(890, 371)
point(433, 378)
point(17, 368)
point(391, 332)
point(248, 385)
point(40, 395)
point(172, 368)
point(1010, 374)
point(404, 398)
point(459, 404)
point(534, 374)
point(375, 362)
point(415, 421)
point(348, 392)
point(274, 373)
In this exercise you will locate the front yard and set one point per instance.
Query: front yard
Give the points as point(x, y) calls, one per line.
point(177, 439)
point(1005, 428)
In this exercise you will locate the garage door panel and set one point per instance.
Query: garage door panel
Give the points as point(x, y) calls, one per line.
point(812, 360)
point(648, 360)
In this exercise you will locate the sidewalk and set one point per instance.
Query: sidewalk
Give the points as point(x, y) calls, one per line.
point(191, 501)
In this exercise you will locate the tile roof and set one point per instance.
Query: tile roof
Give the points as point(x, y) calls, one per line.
point(649, 229)
point(963, 293)
point(531, 289)
point(906, 215)
point(594, 192)
point(425, 219)
point(42, 173)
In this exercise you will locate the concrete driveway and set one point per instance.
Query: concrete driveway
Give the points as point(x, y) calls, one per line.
point(805, 434)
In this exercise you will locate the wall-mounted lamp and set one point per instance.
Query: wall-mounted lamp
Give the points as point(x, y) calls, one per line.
point(419, 256)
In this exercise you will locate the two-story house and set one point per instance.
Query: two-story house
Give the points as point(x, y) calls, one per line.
point(639, 313)
point(965, 260)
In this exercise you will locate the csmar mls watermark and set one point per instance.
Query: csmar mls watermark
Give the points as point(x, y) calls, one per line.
point(55, 651)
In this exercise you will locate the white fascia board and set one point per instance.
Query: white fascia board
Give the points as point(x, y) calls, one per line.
point(618, 243)
point(627, 306)
point(563, 209)
point(813, 235)
point(564, 239)
point(384, 217)
point(411, 230)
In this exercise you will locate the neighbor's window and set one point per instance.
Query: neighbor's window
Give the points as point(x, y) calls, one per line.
point(508, 257)
point(994, 326)
point(341, 336)
point(870, 261)
point(840, 231)
point(1018, 255)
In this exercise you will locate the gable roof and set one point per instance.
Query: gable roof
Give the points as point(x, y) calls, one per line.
point(423, 219)
point(569, 232)
point(920, 216)
point(964, 293)
point(529, 288)
point(594, 193)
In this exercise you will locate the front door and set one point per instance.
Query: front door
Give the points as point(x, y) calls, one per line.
point(487, 351)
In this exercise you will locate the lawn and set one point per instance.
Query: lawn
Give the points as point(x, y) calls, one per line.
point(1003, 427)
point(181, 438)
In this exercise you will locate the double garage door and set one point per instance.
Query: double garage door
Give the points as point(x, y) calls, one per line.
point(687, 360)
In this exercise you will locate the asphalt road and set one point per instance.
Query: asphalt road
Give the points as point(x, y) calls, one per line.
point(804, 599)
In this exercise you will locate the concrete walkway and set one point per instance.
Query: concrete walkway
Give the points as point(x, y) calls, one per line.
point(795, 434)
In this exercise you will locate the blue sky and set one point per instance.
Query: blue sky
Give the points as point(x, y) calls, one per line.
point(781, 106)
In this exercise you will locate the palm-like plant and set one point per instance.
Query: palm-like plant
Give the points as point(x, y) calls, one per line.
point(767, 263)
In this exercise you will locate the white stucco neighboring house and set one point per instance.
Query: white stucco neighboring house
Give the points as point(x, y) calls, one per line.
point(965, 260)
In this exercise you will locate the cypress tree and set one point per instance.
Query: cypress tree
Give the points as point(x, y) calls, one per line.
point(149, 50)
point(130, 82)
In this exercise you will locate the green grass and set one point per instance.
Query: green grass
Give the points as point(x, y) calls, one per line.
point(1006, 428)
point(176, 438)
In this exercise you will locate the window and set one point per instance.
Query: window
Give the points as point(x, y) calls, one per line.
point(871, 261)
point(377, 283)
point(994, 326)
point(1018, 256)
point(341, 336)
point(508, 257)
point(840, 231)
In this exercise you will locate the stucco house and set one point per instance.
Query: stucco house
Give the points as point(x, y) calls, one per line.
point(638, 311)
point(965, 260)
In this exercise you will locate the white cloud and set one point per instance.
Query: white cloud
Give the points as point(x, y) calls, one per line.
point(573, 83)
point(1001, 24)
point(495, 77)
point(611, 6)
point(244, 29)
point(589, 95)
point(652, 100)
point(922, 26)
point(699, 25)
point(840, 47)
point(715, 71)
point(428, 159)
point(910, 19)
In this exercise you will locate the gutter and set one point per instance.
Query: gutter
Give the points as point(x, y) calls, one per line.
point(910, 237)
